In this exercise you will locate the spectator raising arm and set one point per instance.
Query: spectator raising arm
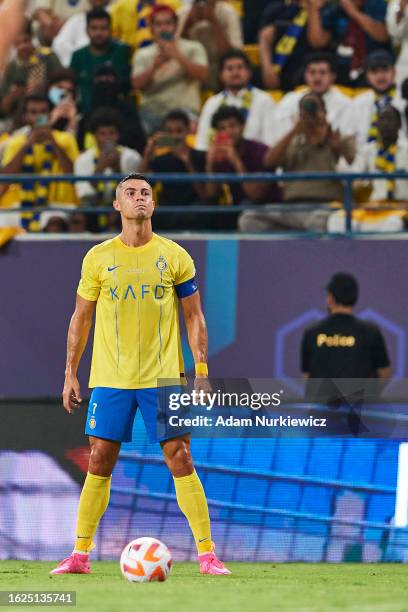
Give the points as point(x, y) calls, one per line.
point(194, 71)
point(318, 37)
point(270, 76)
point(275, 156)
point(207, 13)
point(375, 29)
point(39, 135)
point(144, 80)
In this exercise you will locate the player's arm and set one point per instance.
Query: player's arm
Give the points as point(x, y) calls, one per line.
point(197, 335)
point(11, 18)
point(78, 333)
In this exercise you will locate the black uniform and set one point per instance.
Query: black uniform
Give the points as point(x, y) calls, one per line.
point(342, 346)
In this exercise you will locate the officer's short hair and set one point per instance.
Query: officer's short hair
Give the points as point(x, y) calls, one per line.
point(344, 288)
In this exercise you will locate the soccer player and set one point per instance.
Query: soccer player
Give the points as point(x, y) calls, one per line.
point(11, 19)
point(134, 282)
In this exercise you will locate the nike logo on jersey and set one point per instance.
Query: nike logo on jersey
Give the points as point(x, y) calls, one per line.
point(112, 268)
point(203, 540)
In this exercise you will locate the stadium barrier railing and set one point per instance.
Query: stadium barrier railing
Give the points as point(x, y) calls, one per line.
point(347, 178)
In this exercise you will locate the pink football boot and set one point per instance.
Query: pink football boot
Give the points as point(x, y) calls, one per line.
point(74, 564)
point(210, 564)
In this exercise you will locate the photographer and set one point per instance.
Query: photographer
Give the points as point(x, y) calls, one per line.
point(169, 72)
point(310, 146)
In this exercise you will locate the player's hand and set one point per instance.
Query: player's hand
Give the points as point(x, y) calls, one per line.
point(71, 394)
point(201, 383)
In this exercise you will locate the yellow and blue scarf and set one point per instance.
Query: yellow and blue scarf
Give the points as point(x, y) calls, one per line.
point(35, 193)
point(289, 40)
point(380, 102)
point(386, 162)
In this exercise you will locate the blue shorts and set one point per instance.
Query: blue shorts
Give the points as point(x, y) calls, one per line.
point(111, 413)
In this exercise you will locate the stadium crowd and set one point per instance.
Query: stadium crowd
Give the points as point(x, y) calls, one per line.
point(94, 87)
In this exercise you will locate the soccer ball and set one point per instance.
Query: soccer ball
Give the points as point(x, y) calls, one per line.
point(145, 560)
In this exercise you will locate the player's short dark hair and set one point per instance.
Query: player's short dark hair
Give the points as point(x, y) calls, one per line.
point(38, 97)
point(177, 115)
point(234, 54)
point(227, 112)
point(104, 117)
point(320, 57)
point(97, 13)
point(344, 288)
point(135, 176)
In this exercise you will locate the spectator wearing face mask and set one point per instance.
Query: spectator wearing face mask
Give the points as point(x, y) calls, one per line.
point(62, 95)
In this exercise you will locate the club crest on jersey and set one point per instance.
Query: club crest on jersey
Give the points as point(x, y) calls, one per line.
point(161, 264)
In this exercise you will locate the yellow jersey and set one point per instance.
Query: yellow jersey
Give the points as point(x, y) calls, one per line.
point(137, 334)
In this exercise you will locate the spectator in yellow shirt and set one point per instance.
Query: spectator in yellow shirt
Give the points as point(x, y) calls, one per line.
point(39, 150)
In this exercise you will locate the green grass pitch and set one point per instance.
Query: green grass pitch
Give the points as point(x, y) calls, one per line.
point(253, 587)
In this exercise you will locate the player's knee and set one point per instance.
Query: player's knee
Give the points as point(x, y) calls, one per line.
point(100, 462)
point(178, 458)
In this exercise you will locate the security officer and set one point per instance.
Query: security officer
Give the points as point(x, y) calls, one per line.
point(341, 345)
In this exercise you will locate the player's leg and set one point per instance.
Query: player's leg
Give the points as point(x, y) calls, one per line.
point(192, 501)
point(96, 491)
point(110, 420)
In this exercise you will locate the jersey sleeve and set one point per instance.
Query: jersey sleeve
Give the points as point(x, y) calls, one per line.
point(184, 280)
point(89, 285)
